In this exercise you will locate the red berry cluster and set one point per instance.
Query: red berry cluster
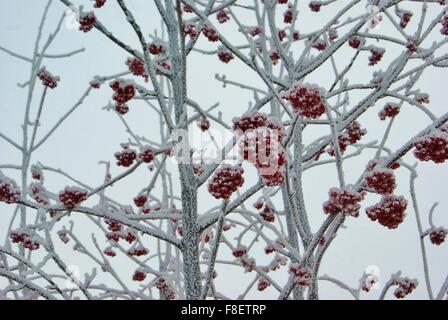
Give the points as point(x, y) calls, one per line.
point(137, 68)
point(146, 154)
point(137, 252)
point(389, 212)
point(48, 80)
point(333, 34)
point(37, 191)
point(355, 132)
point(319, 44)
point(25, 238)
point(124, 91)
point(405, 17)
point(125, 157)
point(376, 54)
point(99, 3)
point(422, 97)
point(198, 169)
point(226, 181)
point(210, 33)
point(70, 197)
point(62, 234)
point(288, 15)
point(139, 275)
point(432, 146)
point(355, 41)
point(405, 286)
point(257, 120)
point(346, 200)
point(156, 49)
point(222, 16)
point(190, 30)
point(282, 1)
point(255, 31)
point(302, 276)
point(36, 173)
point(224, 54)
point(204, 124)
point(239, 251)
point(109, 252)
point(275, 57)
point(118, 232)
point(444, 23)
point(315, 6)
point(86, 21)
point(281, 34)
point(268, 214)
point(247, 263)
point(278, 245)
point(411, 45)
point(165, 289)
point(263, 283)
point(9, 191)
point(390, 110)
point(262, 149)
point(382, 181)
point(437, 235)
point(378, 78)
point(351, 135)
point(307, 100)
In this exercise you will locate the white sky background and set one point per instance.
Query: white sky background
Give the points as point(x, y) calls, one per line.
point(92, 134)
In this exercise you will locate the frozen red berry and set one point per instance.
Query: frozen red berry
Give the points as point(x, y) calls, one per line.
point(146, 154)
point(301, 275)
point(222, 16)
point(48, 80)
point(137, 68)
point(99, 3)
point(87, 21)
point(125, 157)
point(315, 6)
point(307, 100)
point(382, 181)
point(71, 197)
point(390, 110)
point(226, 181)
point(405, 286)
point(139, 276)
point(210, 33)
point(239, 251)
point(346, 200)
point(262, 284)
point(432, 147)
point(224, 54)
point(437, 235)
point(389, 212)
point(9, 191)
point(376, 54)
